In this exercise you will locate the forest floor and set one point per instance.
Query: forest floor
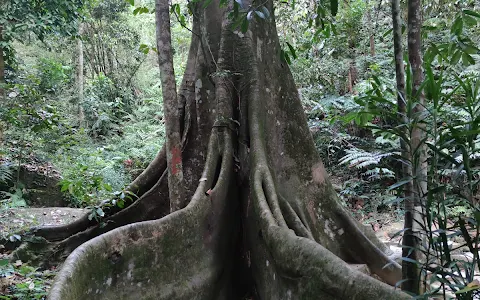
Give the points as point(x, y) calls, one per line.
point(14, 220)
point(19, 280)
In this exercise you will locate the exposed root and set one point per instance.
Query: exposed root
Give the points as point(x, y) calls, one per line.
point(268, 187)
point(287, 257)
point(142, 184)
point(302, 267)
point(293, 220)
point(362, 249)
point(152, 205)
point(186, 250)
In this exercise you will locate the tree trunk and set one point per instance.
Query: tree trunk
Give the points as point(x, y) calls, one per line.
point(414, 225)
point(170, 106)
point(2, 82)
point(2, 67)
point(371, 30)
point(80, 77)
point(263, 221)
point(372, 45)
point(406, 170)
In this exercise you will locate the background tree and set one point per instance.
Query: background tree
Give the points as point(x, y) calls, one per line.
point(414, 206)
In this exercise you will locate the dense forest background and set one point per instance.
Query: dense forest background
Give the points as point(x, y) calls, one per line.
point(84, 105)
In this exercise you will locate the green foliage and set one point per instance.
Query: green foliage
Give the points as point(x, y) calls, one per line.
point(362, 159)
point(452, 122)
point(86, 187)
point(104, 105)
point(13, 200)
point(52, 75)
point(23, 281)
point(6, 173)
point(22, 17)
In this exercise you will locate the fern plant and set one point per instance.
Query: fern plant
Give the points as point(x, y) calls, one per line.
point(359, 158)
point(6, 174)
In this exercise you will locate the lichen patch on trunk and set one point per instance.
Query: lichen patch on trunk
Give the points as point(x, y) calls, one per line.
point(318, 173)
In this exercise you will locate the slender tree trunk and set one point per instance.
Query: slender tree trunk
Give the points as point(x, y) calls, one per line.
point(414, 225)
point(372, 45)
point(2, 81)
point(371, 29)
point(170, 107)
point(2, 67)
point(80, 77)
point(409, 270)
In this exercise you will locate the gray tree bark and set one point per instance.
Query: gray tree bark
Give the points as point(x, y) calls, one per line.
point(80, 76)
point(170, 107)
point(414, 206)
point(2, 68)
point(263, 221)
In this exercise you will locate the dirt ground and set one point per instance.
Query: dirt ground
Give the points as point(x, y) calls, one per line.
point(17, 220)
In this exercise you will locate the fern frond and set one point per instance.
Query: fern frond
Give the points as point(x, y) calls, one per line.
point(6, 173)
point(361, 159)
point(378, 173)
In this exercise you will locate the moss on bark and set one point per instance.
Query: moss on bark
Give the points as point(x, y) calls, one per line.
point(263, 188)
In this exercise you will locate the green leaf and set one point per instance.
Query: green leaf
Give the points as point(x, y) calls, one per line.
point(144, 48)
point(457, 26)
point(239, 3)
point(100, 212)
point(334, 7)
point(4, 262)
point(468, 289)
point(120, 203)
point(410, 260)
point(265, 12)
point(387, 32)
point(471, 13)
point(456, 57)
point(470, 21)
point(467, 59)
point(132, 2)
point(244, 26)
point(284, 57)
point(292, 50)
point(64, 187)
point(206, 3)
point(470, 49)
point(260, 14)
point(399, 184)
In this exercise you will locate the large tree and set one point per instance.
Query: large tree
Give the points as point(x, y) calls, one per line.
point(262, 218)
